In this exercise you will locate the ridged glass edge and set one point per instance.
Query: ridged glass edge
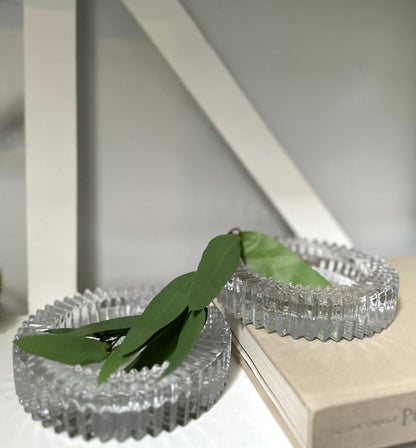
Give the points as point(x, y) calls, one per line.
point(365, 305)
point(127, 405)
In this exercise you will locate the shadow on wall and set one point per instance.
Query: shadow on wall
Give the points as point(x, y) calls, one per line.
point(12, 125)
point(87, 147)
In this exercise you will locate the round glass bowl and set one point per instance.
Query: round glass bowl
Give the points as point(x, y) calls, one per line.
point(361, 301)
point(127, 404)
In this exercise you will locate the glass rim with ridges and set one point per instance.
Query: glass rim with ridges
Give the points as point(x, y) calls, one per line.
point(361, 301)
point(132, 404)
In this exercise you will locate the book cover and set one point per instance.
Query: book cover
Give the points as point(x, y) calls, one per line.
point(359, 393)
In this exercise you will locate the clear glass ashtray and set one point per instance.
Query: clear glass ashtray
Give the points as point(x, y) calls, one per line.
point(132, 404)
point(361, 301)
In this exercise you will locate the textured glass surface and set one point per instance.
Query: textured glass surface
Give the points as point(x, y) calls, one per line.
point(128, 404)
point(361, 301)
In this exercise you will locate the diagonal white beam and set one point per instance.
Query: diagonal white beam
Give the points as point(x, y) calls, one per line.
point(194, 61)
point(51, 149)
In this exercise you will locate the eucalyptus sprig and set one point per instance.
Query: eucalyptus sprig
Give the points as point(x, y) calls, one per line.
point(171, 324)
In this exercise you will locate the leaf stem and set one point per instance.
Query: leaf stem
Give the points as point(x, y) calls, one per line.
point(235, 231)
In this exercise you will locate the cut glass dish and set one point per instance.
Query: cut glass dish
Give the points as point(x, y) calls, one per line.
point(361, 301)
point(128, 404)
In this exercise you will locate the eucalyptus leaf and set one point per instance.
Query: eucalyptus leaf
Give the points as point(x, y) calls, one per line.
point(171, 324)
point(268, 257)
point(64, 348)
point(117, 326)
point(60, 330)
point(117, 359)
point(218, 263)
point(187, 338)
point(159, 348)
point(172, 346)
point(111, 364)
point(163, 309)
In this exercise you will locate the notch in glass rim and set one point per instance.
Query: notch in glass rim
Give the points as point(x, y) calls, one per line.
point(361, 301)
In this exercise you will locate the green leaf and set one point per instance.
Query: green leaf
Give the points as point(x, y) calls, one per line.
point(187, 338)
point(60, 330)
point(117, 359)
point(159, 347)
point(117, 326)
point(64, 348)
point(218, 263)
point(268, 257)
point(173, 345)
point(163, 309)
point(111, 364)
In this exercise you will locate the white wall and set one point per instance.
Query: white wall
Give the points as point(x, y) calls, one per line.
point(160, 179)
point(335, 82)
point(333, 79)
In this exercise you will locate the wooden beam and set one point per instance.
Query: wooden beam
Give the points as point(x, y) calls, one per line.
point(201, 71)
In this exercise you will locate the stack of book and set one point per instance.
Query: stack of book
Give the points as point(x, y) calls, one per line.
point(359, 393)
